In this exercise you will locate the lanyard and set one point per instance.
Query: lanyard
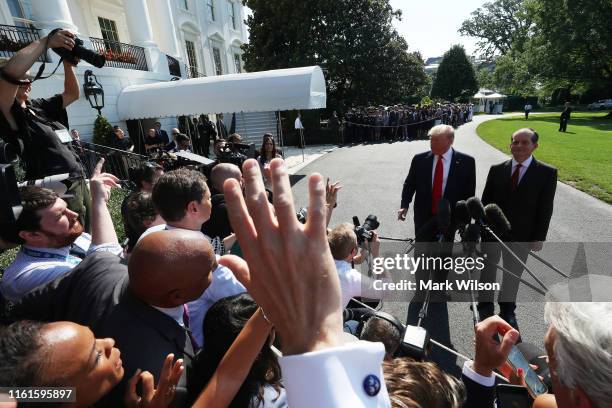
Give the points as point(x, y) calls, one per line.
point(48, 255)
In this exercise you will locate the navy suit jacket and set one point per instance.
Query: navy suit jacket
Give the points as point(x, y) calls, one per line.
point(460, 185)
point(529, 207)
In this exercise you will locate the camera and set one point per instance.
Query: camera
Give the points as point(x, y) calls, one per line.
point(79, 52)
point(363, 232)
point(233, 153)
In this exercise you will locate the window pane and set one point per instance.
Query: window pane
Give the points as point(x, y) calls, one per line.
point(237, 63)
point(211, 10)
point(217, 60)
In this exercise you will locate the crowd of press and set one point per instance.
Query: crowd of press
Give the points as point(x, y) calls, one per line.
point(220, 296)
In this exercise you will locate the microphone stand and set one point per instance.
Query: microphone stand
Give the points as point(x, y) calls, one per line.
point(545, 262)
point(490, 231)
point(424, 309)
point(501, 268)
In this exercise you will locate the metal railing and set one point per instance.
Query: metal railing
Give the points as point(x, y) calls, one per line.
point(174, 66)
point(117, 162)
point(13, 38)
point(120, 55)
point(192, 72)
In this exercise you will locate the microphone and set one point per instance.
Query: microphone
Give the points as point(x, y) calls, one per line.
point(497, 219)
point(462, 216)
point(476, 210)
point(58, 183)
point(356, 221)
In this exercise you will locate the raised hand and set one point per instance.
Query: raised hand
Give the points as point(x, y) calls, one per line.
point(154, 397)
point(289, 269)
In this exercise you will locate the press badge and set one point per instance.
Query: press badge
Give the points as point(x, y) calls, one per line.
point(63, 135)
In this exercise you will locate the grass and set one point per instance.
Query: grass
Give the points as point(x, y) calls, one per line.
point(582, 155)
point(114, 206)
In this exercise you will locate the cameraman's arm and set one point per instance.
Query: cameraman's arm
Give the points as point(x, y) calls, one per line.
point(71, 85)
point(22, 61)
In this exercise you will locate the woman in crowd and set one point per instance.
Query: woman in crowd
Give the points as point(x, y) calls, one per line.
point(65, 354)
point(266, 154)
point(262, 386)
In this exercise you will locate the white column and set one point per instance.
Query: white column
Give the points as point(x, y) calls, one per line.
point(165, 27)
point(139, 23)
point(51, 14)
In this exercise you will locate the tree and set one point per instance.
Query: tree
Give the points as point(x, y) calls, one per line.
point(501, 26)
point(364, 59)
point(455, 79)
point(102, 131)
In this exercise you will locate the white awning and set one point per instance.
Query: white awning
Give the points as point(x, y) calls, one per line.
point(281, 89)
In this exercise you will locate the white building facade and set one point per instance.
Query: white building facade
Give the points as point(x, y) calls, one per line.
point(144, 41)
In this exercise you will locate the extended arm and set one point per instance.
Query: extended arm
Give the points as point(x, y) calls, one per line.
point(235, 365)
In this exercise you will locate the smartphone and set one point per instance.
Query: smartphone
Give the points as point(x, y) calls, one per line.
point(512, 396)
point(517, 360)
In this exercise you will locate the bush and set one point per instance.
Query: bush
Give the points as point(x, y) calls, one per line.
point(102, 131)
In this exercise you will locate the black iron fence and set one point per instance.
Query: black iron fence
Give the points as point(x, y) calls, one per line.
point(13, 38)
point(192, 72)
point(174, 66)
point(117, 162)
point(120, 55)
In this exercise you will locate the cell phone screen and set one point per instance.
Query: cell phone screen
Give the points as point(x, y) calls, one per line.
point(517, 360)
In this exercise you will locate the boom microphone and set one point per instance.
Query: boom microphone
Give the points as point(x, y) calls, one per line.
point(496, 219)
point(462, 216)
point(472, 237)
point(58, 183)
point(476, 210)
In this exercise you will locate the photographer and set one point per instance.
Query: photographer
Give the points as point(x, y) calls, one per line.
point(35, 127)
point(343, 246)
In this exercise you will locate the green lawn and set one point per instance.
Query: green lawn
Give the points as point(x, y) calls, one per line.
point(583, 155)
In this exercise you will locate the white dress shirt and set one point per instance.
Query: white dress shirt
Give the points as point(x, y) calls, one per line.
point(353, 283)
point(33, 266)
point(524, 166)
point(223, 284)
point(334, 377)
point(446, 161)
point(298, 123)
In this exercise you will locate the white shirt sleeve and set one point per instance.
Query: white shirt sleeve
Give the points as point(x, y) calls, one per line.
point(469, 372)
point(335, 377)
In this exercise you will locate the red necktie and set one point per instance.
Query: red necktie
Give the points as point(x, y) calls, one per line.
point(436, 193)
point(515, 176)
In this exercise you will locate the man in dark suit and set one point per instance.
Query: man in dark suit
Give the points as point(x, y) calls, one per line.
point(442, 173)
point(565, 117)
point(141, 306)
point(431, 179)
point(161, 134)
point(524, 189)
point(221, 129)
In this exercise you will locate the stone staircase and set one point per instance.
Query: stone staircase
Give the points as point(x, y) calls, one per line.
point(252, 125)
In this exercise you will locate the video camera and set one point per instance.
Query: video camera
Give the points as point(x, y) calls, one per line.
point(235, 153)
point(10, 203)
point(8, 152)
point(364, 232)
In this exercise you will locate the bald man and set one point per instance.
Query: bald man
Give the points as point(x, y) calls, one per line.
point(218, 224)
point(141, 306)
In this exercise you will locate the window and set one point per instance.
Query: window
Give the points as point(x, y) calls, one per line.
point(237, 63)
point(108, 28)
point(210, 5)
point(217, 61)
point(21, 10)
point(231, 10)
point(191, 57)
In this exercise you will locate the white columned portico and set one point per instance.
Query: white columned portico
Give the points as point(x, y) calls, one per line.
point(141, 34)
point(166, 27)
point(51, 14)
point(139, 23)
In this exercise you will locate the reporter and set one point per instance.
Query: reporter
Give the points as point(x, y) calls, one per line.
point(65, 354)
point(35, 126)
point(225, 320)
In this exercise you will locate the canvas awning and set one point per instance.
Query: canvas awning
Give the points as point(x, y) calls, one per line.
point(282, 89)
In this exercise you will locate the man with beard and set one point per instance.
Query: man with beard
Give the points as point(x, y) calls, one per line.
point(52, 237)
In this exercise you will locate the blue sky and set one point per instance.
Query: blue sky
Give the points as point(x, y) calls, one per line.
point(430, 26)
